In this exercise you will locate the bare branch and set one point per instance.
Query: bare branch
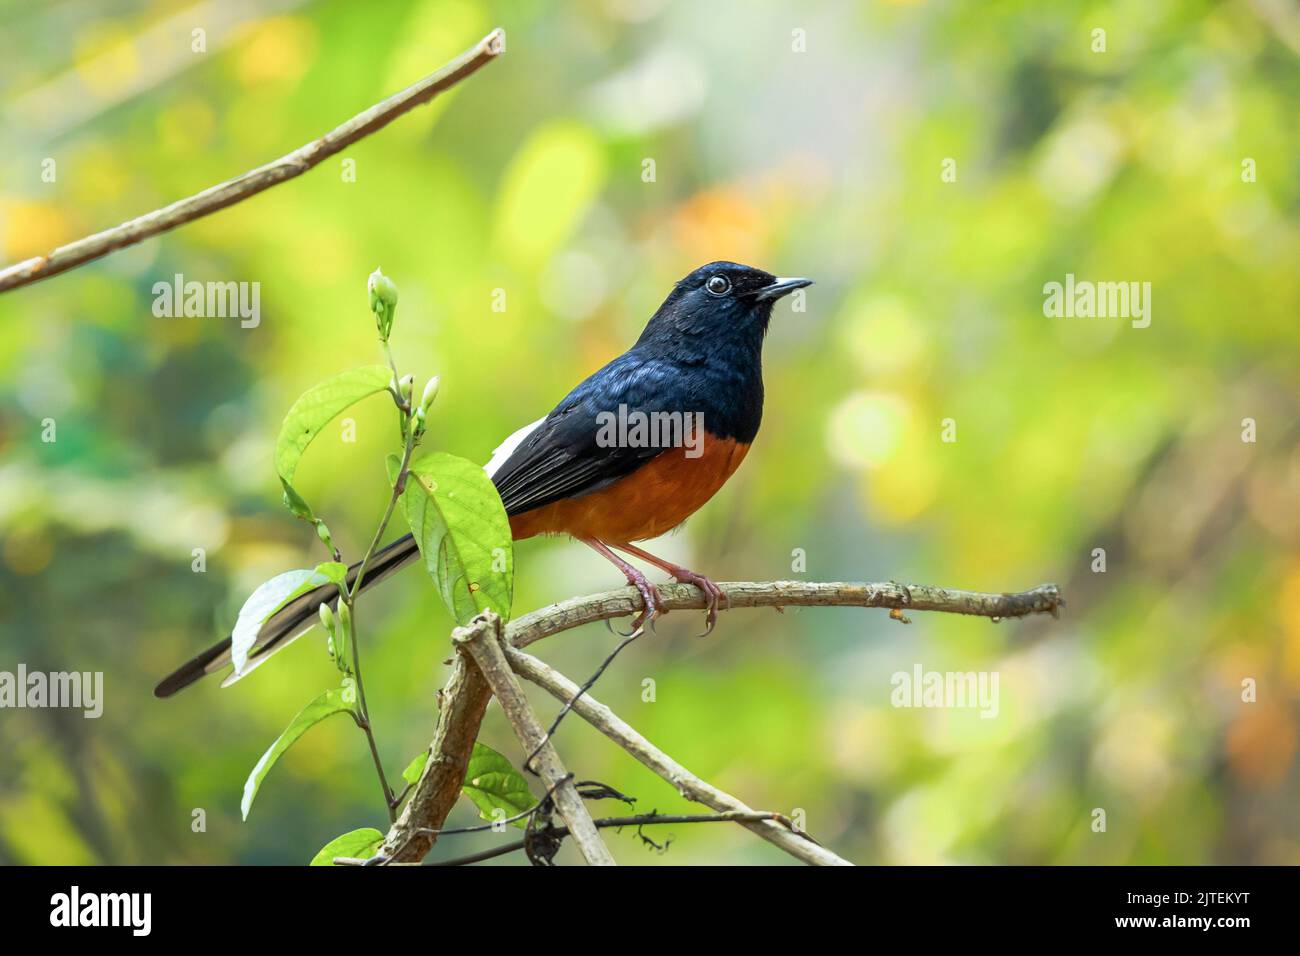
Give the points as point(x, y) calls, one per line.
point(255, 181)
point(465, 698)
point(1044, 599)
point(686, 783)
point(482, 639)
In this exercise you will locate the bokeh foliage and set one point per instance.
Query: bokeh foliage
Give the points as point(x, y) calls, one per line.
point(1072, 434)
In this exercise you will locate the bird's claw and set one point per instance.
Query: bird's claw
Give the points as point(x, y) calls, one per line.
point(650, 611)
point(713, 594)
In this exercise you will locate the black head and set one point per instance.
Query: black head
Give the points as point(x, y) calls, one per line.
point(722, 300)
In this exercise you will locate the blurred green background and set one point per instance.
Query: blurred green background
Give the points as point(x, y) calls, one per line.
point(1072, 434)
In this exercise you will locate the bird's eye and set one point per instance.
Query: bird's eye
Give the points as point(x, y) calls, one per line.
point(718, 285)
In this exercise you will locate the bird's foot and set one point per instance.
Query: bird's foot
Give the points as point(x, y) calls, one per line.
point(712, 593)
point(651, 607)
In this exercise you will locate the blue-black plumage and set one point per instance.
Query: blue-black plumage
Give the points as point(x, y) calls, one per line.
point(696, 370)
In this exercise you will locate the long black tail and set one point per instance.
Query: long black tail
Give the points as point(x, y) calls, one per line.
point(292, 620)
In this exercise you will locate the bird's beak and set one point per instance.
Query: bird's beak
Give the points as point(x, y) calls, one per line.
point(780, 287)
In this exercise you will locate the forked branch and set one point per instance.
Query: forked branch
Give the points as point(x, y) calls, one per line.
point(466, 695)
point(482, 640)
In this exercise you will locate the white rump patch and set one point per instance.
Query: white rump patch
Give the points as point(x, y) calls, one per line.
point(507, 447)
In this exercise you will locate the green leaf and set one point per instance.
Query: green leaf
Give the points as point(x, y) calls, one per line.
point(416, 767)
point(358, 844)
point(269, 598)
point(295, 503)
point(336, 571)
point(315, 409)
point(462, 530)
point(337, 701)
point(493, 783)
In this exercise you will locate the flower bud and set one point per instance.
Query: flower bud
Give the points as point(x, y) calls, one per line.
point(406, 388)
point(327, 618)
point(383, 302)
point(381, 290)
point(430, 393)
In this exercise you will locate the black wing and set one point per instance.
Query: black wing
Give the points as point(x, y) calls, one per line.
point(563, 457)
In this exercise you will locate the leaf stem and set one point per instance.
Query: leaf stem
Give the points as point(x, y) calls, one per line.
point(349, 597)
point(398, 486)
point(362, 717)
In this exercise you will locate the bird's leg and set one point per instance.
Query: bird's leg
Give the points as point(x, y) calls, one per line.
point(649, 596)
point(712, 592)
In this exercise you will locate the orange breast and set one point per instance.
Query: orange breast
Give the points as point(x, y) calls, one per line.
point(654, 499)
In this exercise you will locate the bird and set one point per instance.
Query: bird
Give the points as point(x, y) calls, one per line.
point(628, 455)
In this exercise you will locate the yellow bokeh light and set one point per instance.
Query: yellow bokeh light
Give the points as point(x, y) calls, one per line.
point(277, 49)
point(106, 58)
point(865, 429)
point(33, 228)
point(883, 335)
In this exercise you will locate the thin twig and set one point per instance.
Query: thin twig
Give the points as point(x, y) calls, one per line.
point(388, 512)
point(495, 824)
point(255, 181)
point(797, 844)
point(482, 640)
point(363, 715)
point(589, 683)
point(605, 823)
point(363, 721)
point(349, 597)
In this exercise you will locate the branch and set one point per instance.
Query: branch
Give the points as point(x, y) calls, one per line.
point(255, 181)
point(800, 846)
point(462, 704)
point(466, 695)
point(482, 640)
point(1044, 599)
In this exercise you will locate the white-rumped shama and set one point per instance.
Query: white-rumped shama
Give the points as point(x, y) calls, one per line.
point(698, 363)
